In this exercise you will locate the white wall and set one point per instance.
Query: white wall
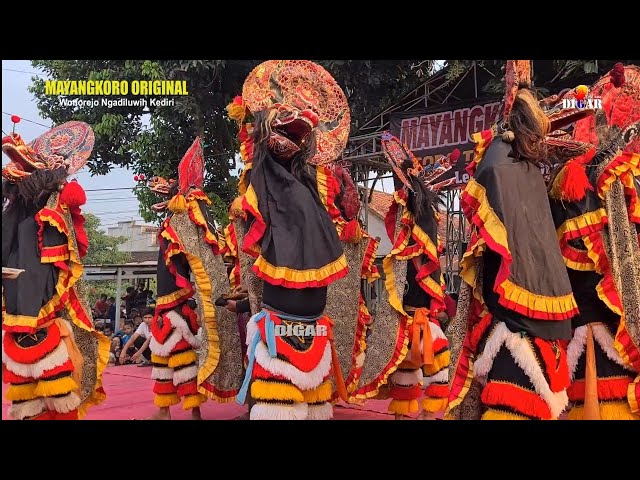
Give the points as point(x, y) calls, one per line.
point(141, 238)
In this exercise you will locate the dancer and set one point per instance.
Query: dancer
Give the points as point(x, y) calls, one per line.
point(52, 356)
point(595, 207)
point(300, 118)
point(520, 303)
point(425, 359)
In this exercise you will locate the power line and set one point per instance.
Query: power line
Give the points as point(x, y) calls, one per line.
point(23, 71)
point(27, 120)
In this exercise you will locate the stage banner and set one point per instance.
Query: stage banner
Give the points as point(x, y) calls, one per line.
point(434, 132)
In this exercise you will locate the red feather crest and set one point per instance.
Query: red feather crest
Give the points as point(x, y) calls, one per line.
point(191, 168)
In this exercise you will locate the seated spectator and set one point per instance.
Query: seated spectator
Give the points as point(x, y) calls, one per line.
point(111, 313)
point(151, 302)
point(101, 308)
point(127, 332)
point(116, 348)
point(107, 331)
point(140, 302)
point(138, 345)
point(129, 300)
point(137, 319)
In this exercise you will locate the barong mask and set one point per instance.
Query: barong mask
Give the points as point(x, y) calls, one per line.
point(300, 97)
point(559, 145)
point(66, 146)
point(163, 188)
point(400, 157)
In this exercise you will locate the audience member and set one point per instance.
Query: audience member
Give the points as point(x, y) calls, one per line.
point(101, 308)
point(138, 345)
point(129, 299)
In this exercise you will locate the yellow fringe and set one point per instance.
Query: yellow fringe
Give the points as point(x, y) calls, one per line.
point(492, 414)
point(403, 407)
point(178, 204)
point(159, 360)
point(183, 358)
point(192, 401)
point(59, 386)
point(276, 391)
point(24, 391)
point(319, 394)
point(608, 411)
point(434, 404)
point(162, 401)
point(301, 276)
point(441, 361)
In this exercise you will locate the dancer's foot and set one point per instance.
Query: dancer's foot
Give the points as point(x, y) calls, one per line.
point(244, 416)
point(162, 414)
point(195, 414)
point(400, 416)
point(424, 415)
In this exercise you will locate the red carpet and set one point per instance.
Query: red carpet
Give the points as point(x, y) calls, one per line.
point(129, 397)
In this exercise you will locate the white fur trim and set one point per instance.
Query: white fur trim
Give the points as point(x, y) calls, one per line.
point(407, 378)
point(525, 358)
point(179, 323)
point(441, 377)
point(303, 380)
point(604, 338)
point(436, 331)
point(323, 411)
point(576, 349)
point(164, 349)
point(266, 411)
point(30, 408)
point(63, 404)
point(161, 373)
point(57, 357)
point(185, 375)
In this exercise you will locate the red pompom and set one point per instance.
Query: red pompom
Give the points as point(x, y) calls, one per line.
point(142, 176)
point(73, 195)
point(455, 155)
point(352, 232)
point(575, 182)
point(237, 100)
point(136, 178)
point(15, 119)
point(617, 75)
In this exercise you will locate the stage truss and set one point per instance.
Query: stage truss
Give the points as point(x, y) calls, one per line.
point(364, 158)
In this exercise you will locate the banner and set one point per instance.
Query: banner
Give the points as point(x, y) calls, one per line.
point(431, 134)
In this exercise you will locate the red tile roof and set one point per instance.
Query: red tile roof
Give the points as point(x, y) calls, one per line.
point(380, 203)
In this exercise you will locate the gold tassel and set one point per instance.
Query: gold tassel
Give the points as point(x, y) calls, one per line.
point(59, 386)
point(433, 405)
point(403, 407)
point(193, 401)
point(182, 359)
point(163, 401)
point(261, 390)
point(178, 204)
point(591, 406)
point(319, 394)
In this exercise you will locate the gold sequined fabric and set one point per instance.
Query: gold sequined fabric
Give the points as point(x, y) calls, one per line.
point(343, 306)
point(383, 333)
point(228, 374)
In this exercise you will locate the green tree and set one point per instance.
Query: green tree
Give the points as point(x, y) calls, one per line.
point(152, 140)
point(103, 248)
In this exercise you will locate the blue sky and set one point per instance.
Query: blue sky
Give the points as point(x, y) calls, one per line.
point(109, 205)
